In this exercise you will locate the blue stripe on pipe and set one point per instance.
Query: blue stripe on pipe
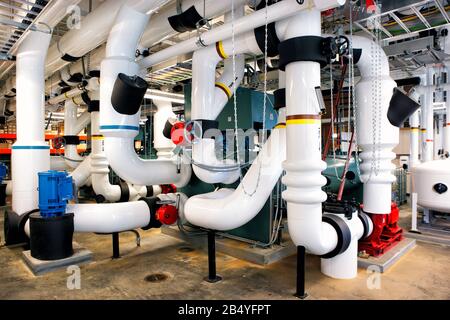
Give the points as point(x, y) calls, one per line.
point(119, 127)
point(30, 147)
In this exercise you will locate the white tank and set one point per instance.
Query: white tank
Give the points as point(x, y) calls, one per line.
point(432, 184)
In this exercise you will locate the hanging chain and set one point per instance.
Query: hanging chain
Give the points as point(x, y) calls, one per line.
point(376, 95)
point(236, 131)
point(351, 82)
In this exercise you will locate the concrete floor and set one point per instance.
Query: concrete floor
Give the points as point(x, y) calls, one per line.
point(421, 274)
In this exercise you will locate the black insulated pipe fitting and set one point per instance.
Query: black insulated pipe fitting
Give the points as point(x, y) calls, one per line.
point(13, 227)
point(186, 21)
point(279, 99)
point(167, 131)
point(128, 93)
point(124, 191)
point(272, 39)
point(51, 237)
point(71, 140)
point(305, 48)
point(343, 234)
point(152, 207)
point(401, 107)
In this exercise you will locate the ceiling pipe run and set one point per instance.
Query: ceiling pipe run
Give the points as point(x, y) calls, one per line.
point(95, 27)
point(93, 32)
point(275, 12)
point(120, 129)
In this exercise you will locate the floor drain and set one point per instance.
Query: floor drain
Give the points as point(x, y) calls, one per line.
point(156, 277)
point(186, 249)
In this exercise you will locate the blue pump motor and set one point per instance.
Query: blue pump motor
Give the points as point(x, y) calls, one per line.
point(55, 189)
point(3, 171)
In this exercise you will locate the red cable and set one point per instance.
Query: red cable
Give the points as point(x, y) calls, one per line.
point(336, 102)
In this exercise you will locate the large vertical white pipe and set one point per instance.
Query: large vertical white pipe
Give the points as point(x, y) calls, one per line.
point(376, 135)
point(73, 159)
point(100, 164)
point(428, 143)
point(30, 153)
point(414, 139)
point(303, 163)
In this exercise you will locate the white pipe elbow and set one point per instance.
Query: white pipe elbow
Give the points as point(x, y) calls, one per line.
point(207, 167)
point(227, 209)
point(82, 173)
point(127, 165)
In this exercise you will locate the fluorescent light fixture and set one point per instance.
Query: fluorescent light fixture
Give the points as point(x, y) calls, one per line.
point(153, 97)
point(164, 96)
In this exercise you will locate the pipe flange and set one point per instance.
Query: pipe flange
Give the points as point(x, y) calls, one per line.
point(343, 232)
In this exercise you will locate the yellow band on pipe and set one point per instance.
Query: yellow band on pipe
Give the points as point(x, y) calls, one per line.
point(220, 50)
point(303, 121)
point(224, 88)
point(99, 137)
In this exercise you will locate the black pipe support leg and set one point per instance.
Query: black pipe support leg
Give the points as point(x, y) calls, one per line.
point(115, 245)
point(212, 275)
point(300, 290)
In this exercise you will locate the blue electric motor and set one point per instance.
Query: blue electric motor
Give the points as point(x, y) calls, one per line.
point(55, 189)
point(3, 171)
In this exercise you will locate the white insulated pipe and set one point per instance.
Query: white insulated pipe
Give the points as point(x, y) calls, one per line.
point(275, 12)
point(53, 13)
point(109, 217)
point(164, 147)
point(72, 157)
point(376, 135)
point(447, 125)
point(119, 130)
point(227, 209)
point(428, 143)
point(414, 139)
point(95, 27)
point(30, 152)
point(82, 173)
point(209, 98)
point(160, 27)
point(304, 163)
point(93, 32)
point(100, 164)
